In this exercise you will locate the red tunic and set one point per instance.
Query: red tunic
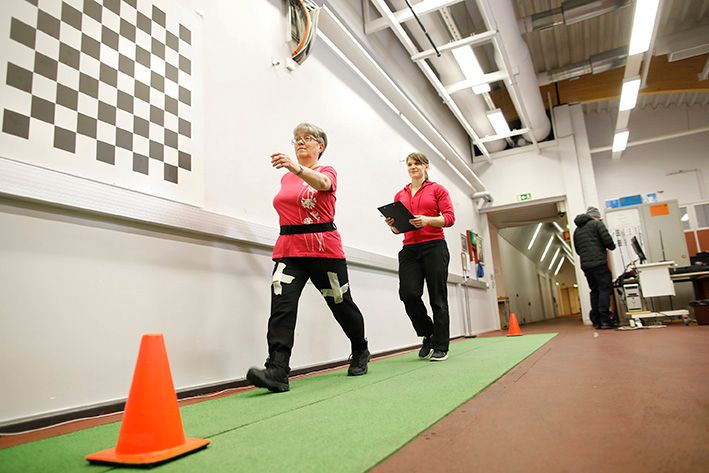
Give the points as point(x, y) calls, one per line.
point(431, 200)
point(299, 204)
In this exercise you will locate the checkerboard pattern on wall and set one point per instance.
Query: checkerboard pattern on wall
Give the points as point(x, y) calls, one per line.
point(101, 89)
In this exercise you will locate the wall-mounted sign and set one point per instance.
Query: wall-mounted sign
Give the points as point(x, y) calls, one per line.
point(523, 197)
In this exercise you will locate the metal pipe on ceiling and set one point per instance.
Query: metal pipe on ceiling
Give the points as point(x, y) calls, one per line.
point(570, 12)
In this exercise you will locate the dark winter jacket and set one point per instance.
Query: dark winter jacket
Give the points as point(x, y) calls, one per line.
point(591, 239)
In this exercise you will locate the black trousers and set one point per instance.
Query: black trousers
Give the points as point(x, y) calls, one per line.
point(428, 262)
point(329, 275)
point(601, 283)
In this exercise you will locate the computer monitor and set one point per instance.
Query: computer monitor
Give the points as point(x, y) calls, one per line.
point(638, 249)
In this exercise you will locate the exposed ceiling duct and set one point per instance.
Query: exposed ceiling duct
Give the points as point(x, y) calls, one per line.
point(596, 64)
point(521, 70)
point(570, 12)
point(436, 25)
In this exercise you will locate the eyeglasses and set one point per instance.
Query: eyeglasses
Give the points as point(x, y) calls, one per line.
point(304, 139)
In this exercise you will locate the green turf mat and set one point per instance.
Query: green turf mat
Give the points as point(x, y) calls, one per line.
point(327, 423)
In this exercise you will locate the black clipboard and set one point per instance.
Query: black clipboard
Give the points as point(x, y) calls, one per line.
point(400, 214)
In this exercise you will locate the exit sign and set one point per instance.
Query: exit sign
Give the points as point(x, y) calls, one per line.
point(523, 197)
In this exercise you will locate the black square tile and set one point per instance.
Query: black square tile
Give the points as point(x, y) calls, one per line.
point(171, 73)
point(141, 127)
point(48, 24)
point(157, 81)
point(142, 91)
point(69, 56)
point(19, 77)
point(171, 105)
point(127, 30)
point(124, 139)
point(106, 113)
point(109, 37)
point(67, 97)
point(23, 33)
point(170, 173)
point(108, 75)
point(64, 139)
point(90, 46)
point(105, 152)
point(172, 41)
point(14, 123)
point(125, 101)
point(157, 150)
point(185, 128)
point(144, 23)
point(185, 64)
point(93, 9)
point(133, 3)
point(140, 163)
point(126, 65)
point(170, 138)
point(158, 16)
point(71, 16)
point(42, 109)
point(157, 115)
point(185, 96)
point(88, 85)
point(142, 56)
point(157, 48)
point(185, 34)
point(86, 125)
point(113, 5)
point(45, 66)
point(33, 2)
point(184, 161)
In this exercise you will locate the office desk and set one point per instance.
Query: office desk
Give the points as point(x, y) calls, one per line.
point(699, 280)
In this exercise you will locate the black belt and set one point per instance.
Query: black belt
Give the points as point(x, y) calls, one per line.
point(310, 228)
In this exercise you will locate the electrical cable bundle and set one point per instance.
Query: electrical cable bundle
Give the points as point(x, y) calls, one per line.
point(304, 21)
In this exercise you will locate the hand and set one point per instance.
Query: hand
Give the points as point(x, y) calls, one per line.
point(419, 221)
point(280, 160)
point(390, 221)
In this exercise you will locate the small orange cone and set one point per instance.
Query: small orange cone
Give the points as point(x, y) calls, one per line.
point(151, 431)
point(514, 330)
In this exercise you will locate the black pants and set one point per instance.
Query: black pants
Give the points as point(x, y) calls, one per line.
point(428, 262)
point(601, 283)
point(329, 275)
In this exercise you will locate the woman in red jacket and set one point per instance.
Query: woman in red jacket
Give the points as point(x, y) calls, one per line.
point(308, 248)
point(425, 257)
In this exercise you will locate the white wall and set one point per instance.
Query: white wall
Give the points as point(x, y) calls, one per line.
point(77, 290)
point(646, 168)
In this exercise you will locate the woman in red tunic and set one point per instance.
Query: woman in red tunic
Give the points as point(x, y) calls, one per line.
point(425, 257)
point(309, 247)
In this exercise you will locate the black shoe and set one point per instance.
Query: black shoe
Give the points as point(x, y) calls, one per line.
point(358, 363)
point(274, 379)
point(426, 350)
point(597, 326)
point(439, 355)
point(607, 326)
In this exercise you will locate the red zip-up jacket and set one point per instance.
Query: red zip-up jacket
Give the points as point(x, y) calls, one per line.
point(432, 200)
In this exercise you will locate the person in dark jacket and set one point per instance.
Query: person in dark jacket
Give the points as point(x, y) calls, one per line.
point(591, 242)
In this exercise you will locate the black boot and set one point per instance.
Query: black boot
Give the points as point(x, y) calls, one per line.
point(359, 361)
point(274, 377)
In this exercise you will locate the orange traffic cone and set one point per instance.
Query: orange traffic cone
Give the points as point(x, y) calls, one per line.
point(151, 431)
point(514, 330)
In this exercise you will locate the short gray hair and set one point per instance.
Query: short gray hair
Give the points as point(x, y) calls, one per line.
point(314, 130)
point(593, 212)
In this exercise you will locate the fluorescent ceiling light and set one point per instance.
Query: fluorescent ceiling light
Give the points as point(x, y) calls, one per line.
point(546, 248)
point(558, 248)
point(471, 67)
point(561, 261)
point(620, 141)
point(629, 94)
point(558, 227)
point(534, 237)
point(643, 24)
point(498, 122)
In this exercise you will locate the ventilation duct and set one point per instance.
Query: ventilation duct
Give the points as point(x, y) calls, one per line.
point(596, 64)
point(570, 12)
point(522, 70)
